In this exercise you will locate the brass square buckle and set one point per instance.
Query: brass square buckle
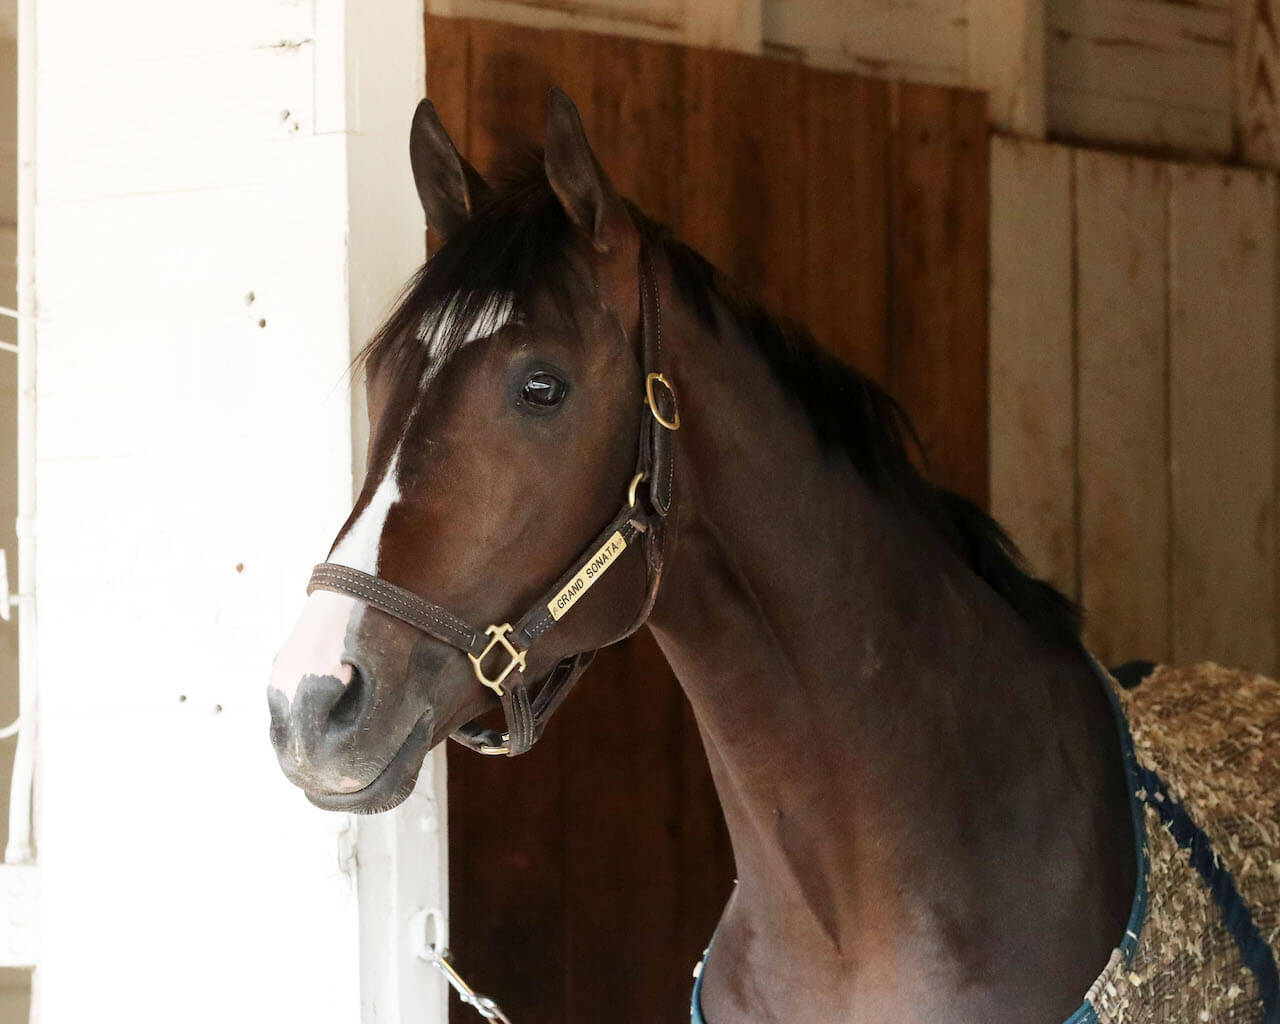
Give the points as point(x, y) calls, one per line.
point(499, 635)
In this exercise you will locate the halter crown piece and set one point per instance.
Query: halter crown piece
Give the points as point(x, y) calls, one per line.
point(497, 652)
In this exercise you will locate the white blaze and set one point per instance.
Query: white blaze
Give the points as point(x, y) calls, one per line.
point(316, 645)
point(359, 545)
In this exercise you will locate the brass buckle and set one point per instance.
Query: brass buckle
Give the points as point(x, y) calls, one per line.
point(649, 381)
point(499, 635)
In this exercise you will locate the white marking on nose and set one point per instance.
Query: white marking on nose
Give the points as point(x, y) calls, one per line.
point(315, 646)
point(317, 643)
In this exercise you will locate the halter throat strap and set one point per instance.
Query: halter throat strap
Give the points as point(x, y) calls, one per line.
point(498, 652)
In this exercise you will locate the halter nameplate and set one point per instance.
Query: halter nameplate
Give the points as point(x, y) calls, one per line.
point(586, 577)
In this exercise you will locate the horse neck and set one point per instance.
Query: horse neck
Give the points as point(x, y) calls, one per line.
point(917, 788)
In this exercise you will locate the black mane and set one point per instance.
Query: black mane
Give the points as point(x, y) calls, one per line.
point(517, 242)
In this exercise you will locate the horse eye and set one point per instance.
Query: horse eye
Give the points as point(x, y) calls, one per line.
point(543, 390)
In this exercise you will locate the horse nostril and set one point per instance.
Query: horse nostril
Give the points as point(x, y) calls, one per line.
point(347, 708)
point(278, 704)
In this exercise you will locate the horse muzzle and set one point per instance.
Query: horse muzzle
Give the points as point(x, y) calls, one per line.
point(347, 724)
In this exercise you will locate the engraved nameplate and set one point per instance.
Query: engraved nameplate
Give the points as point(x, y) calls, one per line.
point(587, 575)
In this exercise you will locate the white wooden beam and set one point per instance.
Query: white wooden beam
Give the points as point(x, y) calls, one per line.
point(719, 24)
point(1007, 61)
point(924, 41)
point(1122, 345)
point(1141, 73)
point(1032, 375)
point(1224, 432)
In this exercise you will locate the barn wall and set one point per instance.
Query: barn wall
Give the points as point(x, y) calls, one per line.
point(855, 205)
point(223, 208)
point(1195, 78)
point(1134, 435)
point(992, 45)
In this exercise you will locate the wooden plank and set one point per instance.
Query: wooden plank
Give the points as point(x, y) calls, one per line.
point(920, 41)
point(622, 784)
point(507, 885)
point(1121, 255)
point(1223, 424)
point(1257, 49)
point(1176, 54)
point(636, 121)
point(1141, 72)
point(1007, 62)
point(1032, 375)
point(1151, 126)
point(722, 24)
point(512, 70)
point(846, 251)
point(643, 19)
point(448, 77)
point(938, 269)
point(744, 173)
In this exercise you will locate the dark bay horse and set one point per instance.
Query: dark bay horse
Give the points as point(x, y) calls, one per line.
point(577, 428)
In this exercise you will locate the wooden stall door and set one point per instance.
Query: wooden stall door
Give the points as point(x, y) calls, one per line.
point(586, 876)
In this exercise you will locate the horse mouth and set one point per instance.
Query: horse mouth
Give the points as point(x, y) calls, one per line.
point(394, 783)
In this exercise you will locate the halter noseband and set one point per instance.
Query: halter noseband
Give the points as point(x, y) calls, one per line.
point(638, 517)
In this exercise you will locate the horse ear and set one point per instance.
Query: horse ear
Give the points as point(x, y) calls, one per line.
point(448, 186)
point(576, 177)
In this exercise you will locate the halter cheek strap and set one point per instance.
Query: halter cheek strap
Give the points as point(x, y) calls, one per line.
point(498, 652)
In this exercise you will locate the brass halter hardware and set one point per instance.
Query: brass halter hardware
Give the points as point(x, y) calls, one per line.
point(649, 381)
point(499, 635)
point(490, 750)
point(631, 491)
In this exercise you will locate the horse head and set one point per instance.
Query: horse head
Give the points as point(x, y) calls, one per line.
point(505, 409)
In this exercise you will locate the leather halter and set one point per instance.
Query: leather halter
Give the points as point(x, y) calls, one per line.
point(641, 515)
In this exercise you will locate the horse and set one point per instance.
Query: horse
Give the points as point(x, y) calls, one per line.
point(941, 806)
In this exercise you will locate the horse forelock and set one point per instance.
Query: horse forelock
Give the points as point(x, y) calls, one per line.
point(484, 276)
point(446, 328)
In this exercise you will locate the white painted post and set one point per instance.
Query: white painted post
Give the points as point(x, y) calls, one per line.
point(223, 208)
point(1006, 60)
point(1031, 429)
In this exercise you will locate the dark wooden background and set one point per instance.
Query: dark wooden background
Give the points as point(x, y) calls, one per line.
point(586, 876)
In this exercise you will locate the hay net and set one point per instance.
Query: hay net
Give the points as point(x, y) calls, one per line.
point(1203, 754)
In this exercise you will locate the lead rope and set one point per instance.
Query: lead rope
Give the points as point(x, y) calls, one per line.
point(436, 953)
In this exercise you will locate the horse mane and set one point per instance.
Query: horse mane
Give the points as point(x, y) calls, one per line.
point(516, 244)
